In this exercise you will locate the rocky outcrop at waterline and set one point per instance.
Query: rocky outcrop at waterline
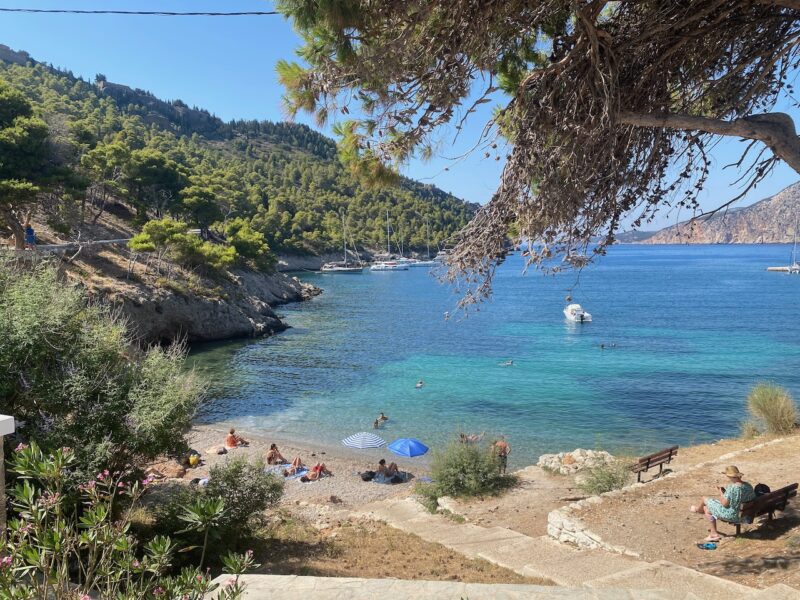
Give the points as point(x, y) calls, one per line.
point(239, 308)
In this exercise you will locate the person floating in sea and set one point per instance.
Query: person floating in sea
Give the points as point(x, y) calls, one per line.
point(382, 417)
point(501, 448)
point(377, 424)
point(420, 383)
point(234, 441)
point(602, 346)
point(508, 363)
point(470, 438)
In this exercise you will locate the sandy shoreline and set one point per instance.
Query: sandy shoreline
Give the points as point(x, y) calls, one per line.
point(345, 463)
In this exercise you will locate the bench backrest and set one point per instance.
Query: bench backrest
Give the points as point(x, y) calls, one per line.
point(765, 503)
point(657, 458)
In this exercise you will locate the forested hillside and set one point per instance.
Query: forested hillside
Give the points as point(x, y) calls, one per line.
point(267, 184)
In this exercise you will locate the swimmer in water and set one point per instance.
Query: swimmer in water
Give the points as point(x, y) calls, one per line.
point(508, 363)
point(420, 383)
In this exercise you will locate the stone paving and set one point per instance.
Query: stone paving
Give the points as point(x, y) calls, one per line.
point(545, 558)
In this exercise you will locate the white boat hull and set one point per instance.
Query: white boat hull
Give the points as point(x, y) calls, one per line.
point(425, 263)
point(388, 267)
point(576, 314)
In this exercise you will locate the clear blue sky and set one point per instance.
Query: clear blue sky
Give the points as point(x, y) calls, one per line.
point(227, 65)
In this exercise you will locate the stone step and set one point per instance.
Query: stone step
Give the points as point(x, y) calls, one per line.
point(293, 587)
point(775, 592)
point(669, 576)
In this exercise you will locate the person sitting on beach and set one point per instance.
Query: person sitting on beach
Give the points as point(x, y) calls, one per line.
point(316, 472)
point(389, 471)
point(234, 441)
point(501, 448)
point(274, 456)
point(296, 466)
point(420, 383)
point(727, 505)
point(382, 417)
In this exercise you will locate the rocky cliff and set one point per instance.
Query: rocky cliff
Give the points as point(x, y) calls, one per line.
point(769, 221)
point(242, 307)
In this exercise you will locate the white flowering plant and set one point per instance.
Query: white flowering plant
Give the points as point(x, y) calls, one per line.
point(66, 544)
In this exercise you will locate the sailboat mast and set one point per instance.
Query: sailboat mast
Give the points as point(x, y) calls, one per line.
point(344, 240)
point(428, 237)
point(388, 246)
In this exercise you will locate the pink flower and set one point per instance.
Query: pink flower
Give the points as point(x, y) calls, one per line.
point(199, 577)
point(101, 476)
point(121, 484)
point(158, 590)
point(230, 582)
point(5, 562)
point(86, 597)
point(136, 564)
point(66, 450)
point(249, 553)
point(20, 447)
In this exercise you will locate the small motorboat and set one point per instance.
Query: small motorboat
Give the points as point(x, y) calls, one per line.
point(575, 313)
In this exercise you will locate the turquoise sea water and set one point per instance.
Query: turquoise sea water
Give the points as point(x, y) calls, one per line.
point(694, 328)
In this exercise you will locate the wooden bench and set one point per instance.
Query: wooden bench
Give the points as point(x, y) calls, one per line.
point(765, 504)
point(659, 459)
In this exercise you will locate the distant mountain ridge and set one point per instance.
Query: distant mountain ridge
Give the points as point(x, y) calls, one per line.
point(769, 221)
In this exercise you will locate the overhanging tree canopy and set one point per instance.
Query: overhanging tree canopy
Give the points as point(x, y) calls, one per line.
point(613, 105)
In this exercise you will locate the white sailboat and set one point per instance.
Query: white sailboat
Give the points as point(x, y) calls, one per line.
point(793, 268)
point(342, 267)
point(429, 262)
point(390, 265)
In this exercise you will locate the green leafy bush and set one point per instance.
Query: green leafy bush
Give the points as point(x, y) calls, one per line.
point(250, 244)
point(463, 471)
point(772, 407)
point(606, 477)
point(63, 548)
point(71, 376)
point(246, 489)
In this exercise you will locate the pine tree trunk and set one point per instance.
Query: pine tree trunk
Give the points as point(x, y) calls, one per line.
point(16, 227)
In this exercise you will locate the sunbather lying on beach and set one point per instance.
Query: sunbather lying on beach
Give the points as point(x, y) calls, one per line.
point(387, 471)
point(316, 472)
point(297, 465)
point(274, 457)
point(233, 441)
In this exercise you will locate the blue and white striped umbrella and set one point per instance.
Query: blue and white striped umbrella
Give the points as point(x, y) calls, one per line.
point(364, 440)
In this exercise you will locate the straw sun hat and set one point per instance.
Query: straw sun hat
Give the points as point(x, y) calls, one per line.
point(732, 471)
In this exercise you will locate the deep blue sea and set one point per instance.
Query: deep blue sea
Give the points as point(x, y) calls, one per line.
point(688, 330)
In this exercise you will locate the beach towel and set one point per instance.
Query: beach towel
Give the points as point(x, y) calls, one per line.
point(399, 477)
point(300, 473)
point(277, 469)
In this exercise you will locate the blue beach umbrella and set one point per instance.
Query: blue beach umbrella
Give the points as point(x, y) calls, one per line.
point(363, 440)
point(408, 447)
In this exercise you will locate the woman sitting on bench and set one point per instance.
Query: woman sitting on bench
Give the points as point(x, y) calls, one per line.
point(730, 501)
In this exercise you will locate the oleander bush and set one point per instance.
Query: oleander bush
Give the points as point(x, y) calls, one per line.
point(772, 408)
point(464, 471)
point(70, 544)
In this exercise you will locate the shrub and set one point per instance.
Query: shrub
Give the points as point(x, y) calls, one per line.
point(62, 547)
point(71, 376)
point(463, 471)
point(773, 407)
point(246, 489)
point(250, 244)
point(749, 430)
point(606, 477)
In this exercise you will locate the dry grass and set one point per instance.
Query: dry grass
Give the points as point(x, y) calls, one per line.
point(370, 550)
point(773, 406)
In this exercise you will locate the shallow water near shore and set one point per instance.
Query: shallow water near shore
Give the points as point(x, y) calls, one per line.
point(687, 331)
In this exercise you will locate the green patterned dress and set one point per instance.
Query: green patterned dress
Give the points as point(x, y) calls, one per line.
point(736, 494)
